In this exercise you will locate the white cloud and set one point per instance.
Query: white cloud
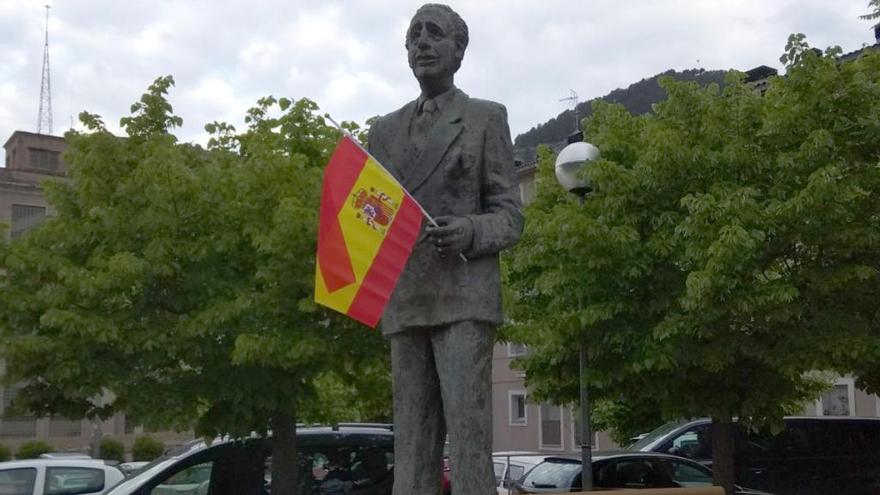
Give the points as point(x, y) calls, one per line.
point(259, 53)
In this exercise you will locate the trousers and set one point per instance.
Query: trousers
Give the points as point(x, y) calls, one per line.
point(443, 385)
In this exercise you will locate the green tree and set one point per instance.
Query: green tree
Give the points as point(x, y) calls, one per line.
point(146, 448)
point(112, 449)
point(731, 247)
point(181, 279)
point(874, 5)
point(32, 449)
point(5, 453)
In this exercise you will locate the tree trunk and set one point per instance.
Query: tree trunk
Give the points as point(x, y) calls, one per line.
point(284, 455)
point(723, 467)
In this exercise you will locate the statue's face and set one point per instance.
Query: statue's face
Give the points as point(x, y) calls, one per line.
point(430, 44)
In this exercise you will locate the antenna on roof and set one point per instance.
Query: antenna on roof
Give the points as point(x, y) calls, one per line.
point(44, 120)
point(574, 100)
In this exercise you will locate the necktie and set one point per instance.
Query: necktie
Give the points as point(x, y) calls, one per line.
point(426, 117)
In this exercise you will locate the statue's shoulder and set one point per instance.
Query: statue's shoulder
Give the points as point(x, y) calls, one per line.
point(488, 109)
point(395, 117)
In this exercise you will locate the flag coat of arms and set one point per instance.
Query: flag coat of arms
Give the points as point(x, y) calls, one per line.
point(368, 226)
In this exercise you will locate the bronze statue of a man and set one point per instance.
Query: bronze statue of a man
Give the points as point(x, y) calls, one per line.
point(453, 154)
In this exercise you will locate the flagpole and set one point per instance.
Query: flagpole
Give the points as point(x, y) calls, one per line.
point(359, 145)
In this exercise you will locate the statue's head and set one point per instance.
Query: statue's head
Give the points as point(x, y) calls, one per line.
point(435, 42)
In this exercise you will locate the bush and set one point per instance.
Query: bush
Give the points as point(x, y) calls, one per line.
point(5, 453)
point(112, 450)
point(146, 449)
point(32, 449)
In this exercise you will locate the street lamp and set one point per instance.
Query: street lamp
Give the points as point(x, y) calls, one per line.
point(571, 163)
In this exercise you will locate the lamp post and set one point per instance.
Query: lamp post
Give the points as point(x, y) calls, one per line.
point(570, 164)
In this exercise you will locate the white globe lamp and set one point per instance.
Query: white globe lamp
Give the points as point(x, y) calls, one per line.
point(570, 163)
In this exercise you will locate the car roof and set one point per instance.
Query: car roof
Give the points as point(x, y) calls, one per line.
point(65, 455)
point(520, 459)
point(53, 463)
point(342, 432)
point(612, 454)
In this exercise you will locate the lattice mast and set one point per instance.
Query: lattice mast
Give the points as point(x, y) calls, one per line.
point(44, 120)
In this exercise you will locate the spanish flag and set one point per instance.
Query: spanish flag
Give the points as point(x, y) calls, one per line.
point(368, 225)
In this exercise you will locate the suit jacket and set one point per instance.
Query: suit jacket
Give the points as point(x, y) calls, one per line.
point(465, 168)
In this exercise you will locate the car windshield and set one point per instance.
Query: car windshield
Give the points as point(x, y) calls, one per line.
point(552, 474)
point(654, 435)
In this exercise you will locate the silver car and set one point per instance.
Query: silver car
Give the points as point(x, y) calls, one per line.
point(58, 476)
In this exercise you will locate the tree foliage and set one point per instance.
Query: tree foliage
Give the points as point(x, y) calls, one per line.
point(731, 247)
point(181, 279)
point(874, 5)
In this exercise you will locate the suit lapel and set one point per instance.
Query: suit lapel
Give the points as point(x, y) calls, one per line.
point(393, 153)
point(442, 135)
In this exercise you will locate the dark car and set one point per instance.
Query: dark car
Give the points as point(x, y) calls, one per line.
point(351, 459)
point(810, 456)
point(618, 470)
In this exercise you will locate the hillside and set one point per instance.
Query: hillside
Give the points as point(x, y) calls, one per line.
point(637, 98)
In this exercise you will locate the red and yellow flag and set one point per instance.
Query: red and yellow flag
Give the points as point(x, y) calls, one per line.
point(368, 225)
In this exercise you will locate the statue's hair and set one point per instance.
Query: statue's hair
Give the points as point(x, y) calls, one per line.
point(461, 29)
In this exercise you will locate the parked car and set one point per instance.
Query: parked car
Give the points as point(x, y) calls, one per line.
point(811, 456)
point(353, 459)
point(619, 470)
point(510, 467)
point(58, 477)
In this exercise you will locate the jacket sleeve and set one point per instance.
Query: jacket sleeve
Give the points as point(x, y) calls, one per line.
point(500, 223)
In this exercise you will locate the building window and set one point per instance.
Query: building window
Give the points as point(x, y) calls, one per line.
point(550, 432)
point(62, 427)
point(16, 426)
point(518, 412)
point(839, 400)
point(516, 350)
point(43, 159)
point(24, 218)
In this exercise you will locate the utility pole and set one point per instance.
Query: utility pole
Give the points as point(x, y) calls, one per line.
point(573, 98)
point(44, 120)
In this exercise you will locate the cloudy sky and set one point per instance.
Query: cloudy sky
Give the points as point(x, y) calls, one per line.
point(348, 55)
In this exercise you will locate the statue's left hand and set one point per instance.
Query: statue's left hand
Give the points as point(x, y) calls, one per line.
point(452, 236)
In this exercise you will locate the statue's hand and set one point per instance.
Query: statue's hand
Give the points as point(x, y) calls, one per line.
point(453, 235)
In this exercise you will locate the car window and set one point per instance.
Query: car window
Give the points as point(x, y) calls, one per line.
point(193, 480)
point(73, 480)
point(693, 443)
point(498, 468)
point(17, 481)
point(632, 473)
point(344, 468)
point(515, 472)
point(552, 474)
point(653, 436)
point(686, 473)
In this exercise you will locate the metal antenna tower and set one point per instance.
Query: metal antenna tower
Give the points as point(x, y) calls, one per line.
point(574, 100)
point(44, 120)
